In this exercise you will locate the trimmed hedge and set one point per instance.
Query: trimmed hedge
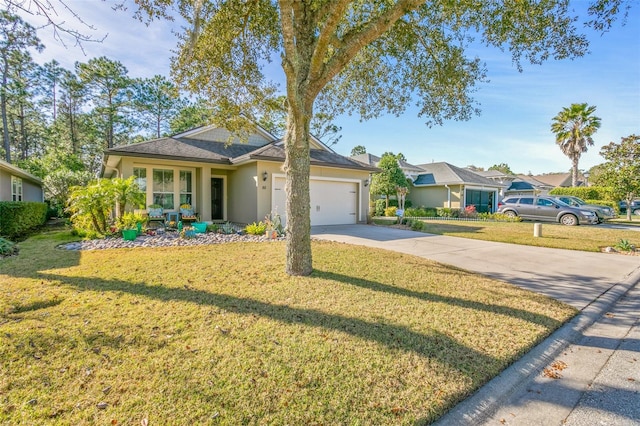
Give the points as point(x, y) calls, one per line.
point(586, 192)
point(19, 217)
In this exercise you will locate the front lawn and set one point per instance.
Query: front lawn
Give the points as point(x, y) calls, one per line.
point(220, 335)
point(584, 238)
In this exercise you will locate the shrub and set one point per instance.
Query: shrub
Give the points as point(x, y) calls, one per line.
point(380, 205)
point(469, 212)
point(256, 228)
point(417, 225)
point(130, 221)
point(213, 227)
point(586, 192)
point(7, 248)
point(421, 212)
point(390, 211)
point(448, 212)
point(19, 217)
point(501, 217)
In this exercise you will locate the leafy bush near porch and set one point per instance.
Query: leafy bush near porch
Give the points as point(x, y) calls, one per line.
point(19, 217)
point(91, 207)
point(256, 228)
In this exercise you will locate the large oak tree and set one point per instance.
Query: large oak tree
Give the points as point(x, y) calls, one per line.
point(370, 57)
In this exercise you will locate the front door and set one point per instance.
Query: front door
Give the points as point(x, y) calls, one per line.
point(217, 212)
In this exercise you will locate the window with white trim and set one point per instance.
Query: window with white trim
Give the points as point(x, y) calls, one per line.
point(140, 174)
point(163, 188)
point(16, 188)
point(185, 187)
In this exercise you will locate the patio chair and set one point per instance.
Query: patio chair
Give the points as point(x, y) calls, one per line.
point(187, 215)
point(156, 215)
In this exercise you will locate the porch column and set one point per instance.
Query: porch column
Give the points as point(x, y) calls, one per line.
point(204, 190)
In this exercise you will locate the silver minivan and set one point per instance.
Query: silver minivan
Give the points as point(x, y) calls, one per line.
point(546, 209)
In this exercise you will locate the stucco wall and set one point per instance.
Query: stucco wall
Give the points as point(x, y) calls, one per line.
point(5, 186)
point(242, 198)
point(31, 191)
point(435, 196)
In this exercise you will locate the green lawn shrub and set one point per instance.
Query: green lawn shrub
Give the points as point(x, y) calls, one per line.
point(7, 248)
point(256, 228)
point(19, 217)
point(390, 211)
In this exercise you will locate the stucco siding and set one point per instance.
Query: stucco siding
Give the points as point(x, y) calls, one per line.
point(242, 198)
point(5, 186)
point(435, 196)
point(31, 191)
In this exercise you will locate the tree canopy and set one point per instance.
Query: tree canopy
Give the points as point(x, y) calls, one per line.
point(621, 171)
point(390, 178)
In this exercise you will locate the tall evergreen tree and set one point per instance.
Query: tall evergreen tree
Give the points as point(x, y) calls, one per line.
point(156, 100)
point(109, 85)
point(16, 37)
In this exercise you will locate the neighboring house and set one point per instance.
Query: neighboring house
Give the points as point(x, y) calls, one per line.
point(445, 185)
point(409, 170)
point(505, 180)
point(18, 185)
point(539, 187)
point(559, 179)
point(239, 181)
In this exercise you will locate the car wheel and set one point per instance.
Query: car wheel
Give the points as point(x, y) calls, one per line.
point(569, 219)
point(636, 212)
point(510, 213)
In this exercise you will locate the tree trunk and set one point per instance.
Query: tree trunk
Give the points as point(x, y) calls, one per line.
point(574, 171)
point(297, 167)
point(3, 108)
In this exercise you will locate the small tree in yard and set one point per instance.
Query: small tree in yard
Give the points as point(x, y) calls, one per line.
point(622, 170)
point(91, 207)
point(389, 179)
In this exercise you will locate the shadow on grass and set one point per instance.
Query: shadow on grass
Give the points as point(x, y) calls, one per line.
point(34, 306)
point(430, 297)
point(478, 367)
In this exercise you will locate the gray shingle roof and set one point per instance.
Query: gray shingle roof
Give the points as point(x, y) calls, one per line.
point(445, 173)
point(219, 152)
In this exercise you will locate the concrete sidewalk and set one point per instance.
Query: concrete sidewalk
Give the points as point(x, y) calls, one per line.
point(594, 358)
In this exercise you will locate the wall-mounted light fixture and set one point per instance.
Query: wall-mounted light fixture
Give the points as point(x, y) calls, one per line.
point(265, 175)
point(366, 182)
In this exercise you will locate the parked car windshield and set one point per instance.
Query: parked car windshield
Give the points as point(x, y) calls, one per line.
point(562, 203)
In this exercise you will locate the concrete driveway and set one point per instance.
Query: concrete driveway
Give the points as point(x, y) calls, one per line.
point(574, 277)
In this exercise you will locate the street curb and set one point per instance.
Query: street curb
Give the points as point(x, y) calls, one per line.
point(486, 401)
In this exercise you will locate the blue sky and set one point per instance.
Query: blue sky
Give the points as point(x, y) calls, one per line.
point(517, 108)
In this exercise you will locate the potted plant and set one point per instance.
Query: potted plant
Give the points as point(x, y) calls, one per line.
point(274, 226)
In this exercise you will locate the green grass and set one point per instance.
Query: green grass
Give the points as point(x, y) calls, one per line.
point(584, 238)
point(220, 335)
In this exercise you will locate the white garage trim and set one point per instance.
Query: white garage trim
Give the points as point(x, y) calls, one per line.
point(351, 207)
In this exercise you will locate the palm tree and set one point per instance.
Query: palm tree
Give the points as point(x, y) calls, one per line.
point(573, 128)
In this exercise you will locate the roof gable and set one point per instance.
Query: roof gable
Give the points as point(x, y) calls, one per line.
point(259, 137)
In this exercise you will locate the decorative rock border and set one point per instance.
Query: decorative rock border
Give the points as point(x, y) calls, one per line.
point(168, 239)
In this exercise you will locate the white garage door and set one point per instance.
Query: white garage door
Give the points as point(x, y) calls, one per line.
point(332, 202)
